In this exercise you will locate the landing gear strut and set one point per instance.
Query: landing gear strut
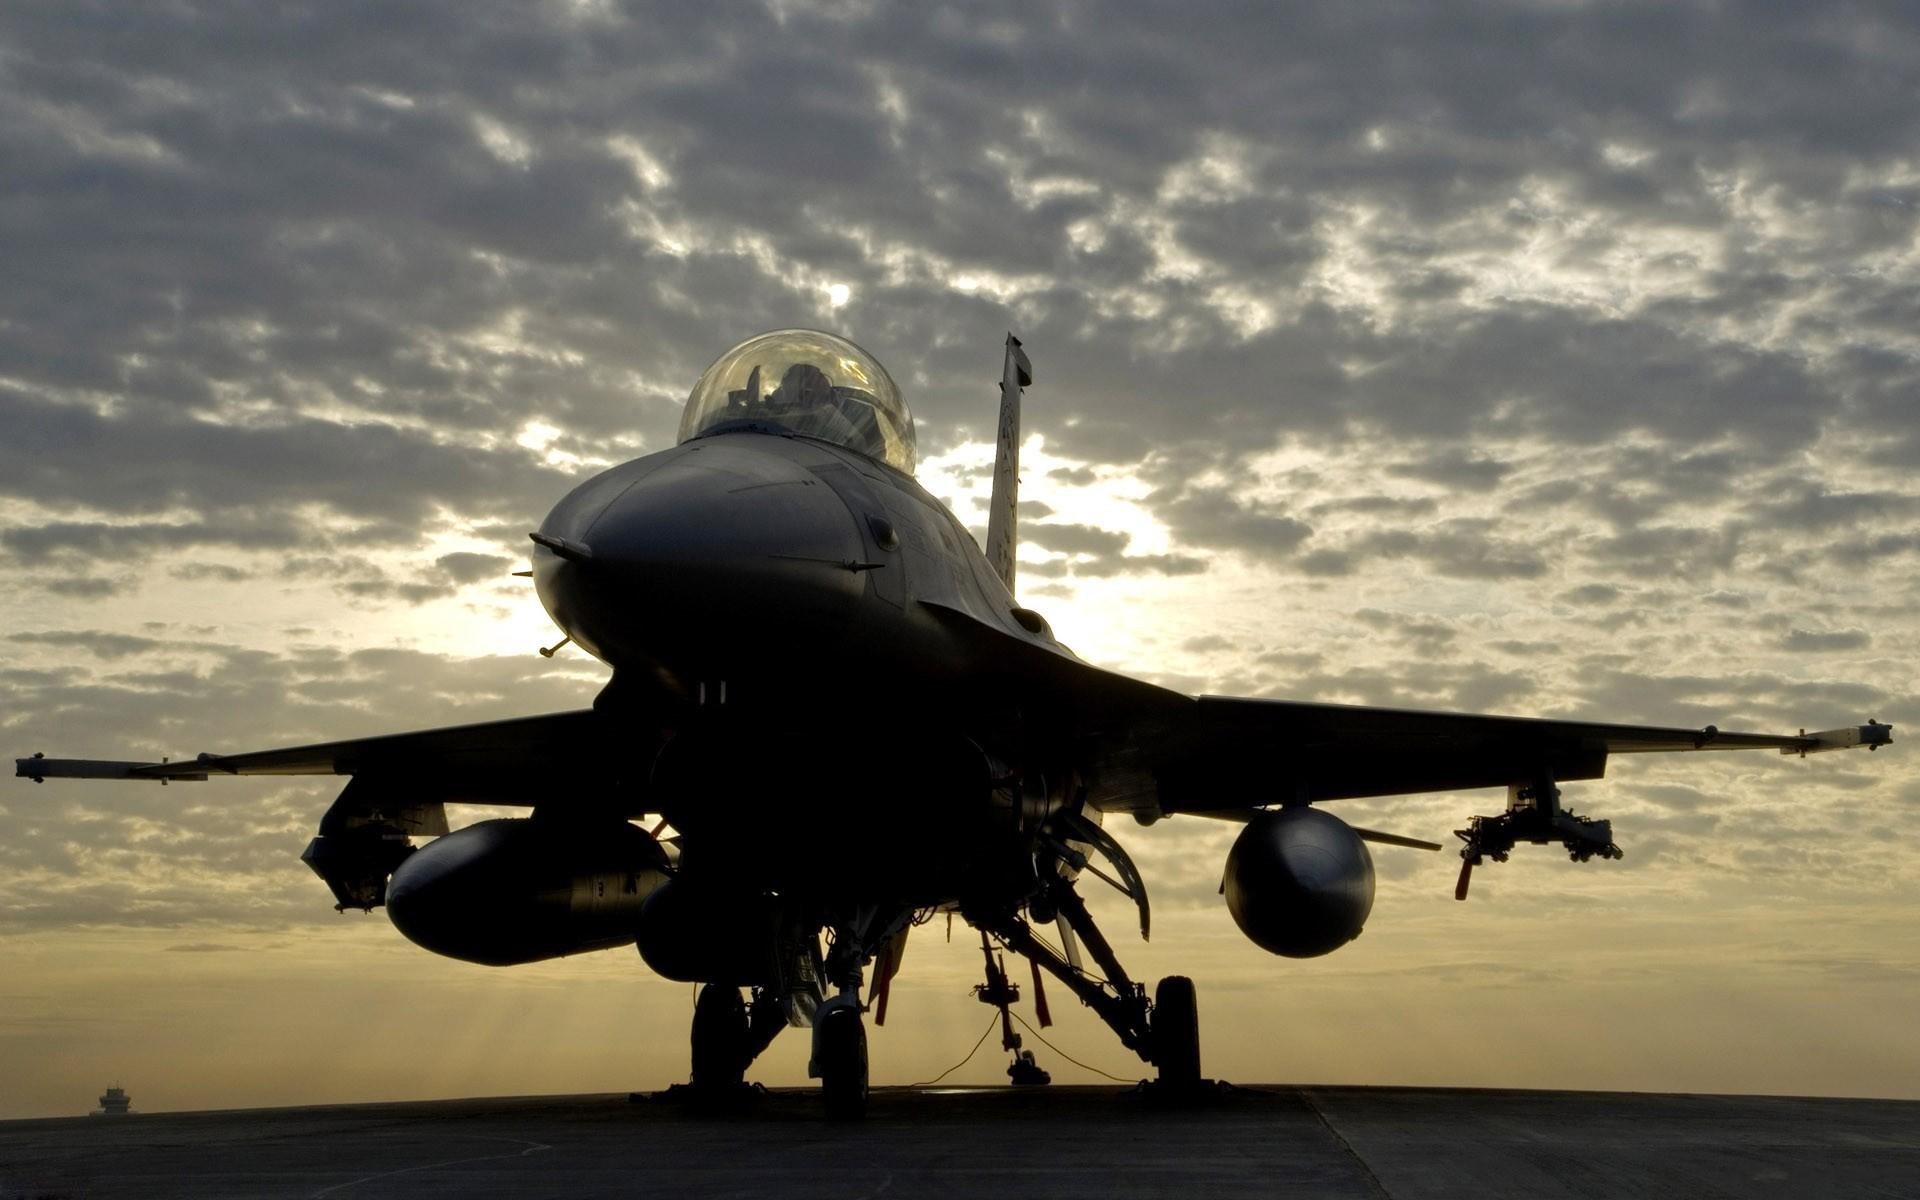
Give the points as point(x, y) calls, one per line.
point(1164, 1032)
point(839, 1035)
point(1002, 993)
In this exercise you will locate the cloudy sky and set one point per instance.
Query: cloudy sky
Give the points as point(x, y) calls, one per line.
point(1551, 358)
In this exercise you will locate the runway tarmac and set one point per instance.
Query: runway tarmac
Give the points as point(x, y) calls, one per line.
point(1060, 1143)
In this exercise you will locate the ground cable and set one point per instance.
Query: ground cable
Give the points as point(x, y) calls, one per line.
point(963, 1062)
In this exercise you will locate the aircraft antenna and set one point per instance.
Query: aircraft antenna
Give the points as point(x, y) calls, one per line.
point(1002, 527)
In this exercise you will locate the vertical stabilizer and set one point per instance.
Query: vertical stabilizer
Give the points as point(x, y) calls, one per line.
point(1002, 528)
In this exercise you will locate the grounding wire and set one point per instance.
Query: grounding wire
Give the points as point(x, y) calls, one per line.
point(969, 1058)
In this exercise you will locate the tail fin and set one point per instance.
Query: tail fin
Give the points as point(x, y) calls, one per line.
point(1002, 527)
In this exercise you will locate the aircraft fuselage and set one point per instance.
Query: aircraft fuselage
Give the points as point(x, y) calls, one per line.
point(769, 561)
point(846, 673)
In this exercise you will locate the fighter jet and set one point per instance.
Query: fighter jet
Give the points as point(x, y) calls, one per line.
point(839, 724)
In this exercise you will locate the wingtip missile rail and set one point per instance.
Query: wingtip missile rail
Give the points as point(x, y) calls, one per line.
point(1872, 735)
point(40, 768)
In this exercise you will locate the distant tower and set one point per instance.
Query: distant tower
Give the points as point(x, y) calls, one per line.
point(116, 1103)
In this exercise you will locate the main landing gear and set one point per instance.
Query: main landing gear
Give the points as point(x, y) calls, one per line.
point(728, 1034)
point(1175, 1024)
point(1164, 1031)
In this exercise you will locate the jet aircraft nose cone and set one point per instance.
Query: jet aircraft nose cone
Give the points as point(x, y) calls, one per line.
point(706, 560)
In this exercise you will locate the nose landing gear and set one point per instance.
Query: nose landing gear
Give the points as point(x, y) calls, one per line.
point(839, 1036)
point(840, 1057)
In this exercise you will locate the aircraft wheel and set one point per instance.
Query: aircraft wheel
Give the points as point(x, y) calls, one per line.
point(719, 1038)
point(1176, 1032)
point(840, 1055)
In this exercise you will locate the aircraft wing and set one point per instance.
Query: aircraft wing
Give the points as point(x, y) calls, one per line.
point(1154, 751)
point(476, 760)
point(1226, 753)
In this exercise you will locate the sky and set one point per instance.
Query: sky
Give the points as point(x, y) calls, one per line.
point(1549, 358)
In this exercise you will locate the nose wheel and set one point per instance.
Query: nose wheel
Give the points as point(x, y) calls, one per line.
point(840, 1057)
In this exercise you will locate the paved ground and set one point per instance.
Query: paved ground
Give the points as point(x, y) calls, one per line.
point(1058, 1143)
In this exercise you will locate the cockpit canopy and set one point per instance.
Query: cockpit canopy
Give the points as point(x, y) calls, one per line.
point(805, 382)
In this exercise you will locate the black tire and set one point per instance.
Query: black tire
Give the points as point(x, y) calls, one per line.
point(719, 1038)
point(842, 1060)
point(1176, 1032)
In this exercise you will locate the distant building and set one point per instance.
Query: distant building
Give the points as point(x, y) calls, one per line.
point(116, 1103)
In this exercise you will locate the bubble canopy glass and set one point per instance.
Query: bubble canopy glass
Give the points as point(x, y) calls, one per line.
point(803, 381)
